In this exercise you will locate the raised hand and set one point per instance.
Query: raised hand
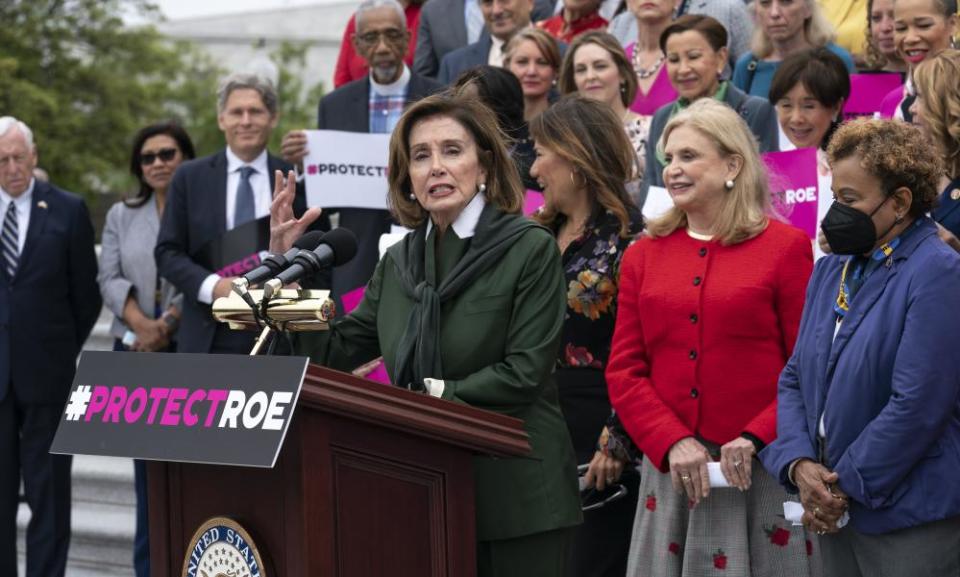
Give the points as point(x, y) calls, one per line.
point(285, 228)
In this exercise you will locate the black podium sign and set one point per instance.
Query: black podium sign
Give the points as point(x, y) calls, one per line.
point(216, 409)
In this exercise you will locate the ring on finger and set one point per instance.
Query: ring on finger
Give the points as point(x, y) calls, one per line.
point(738, 463)
point(685, 477)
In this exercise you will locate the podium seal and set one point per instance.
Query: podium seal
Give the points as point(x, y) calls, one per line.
point(222, 548)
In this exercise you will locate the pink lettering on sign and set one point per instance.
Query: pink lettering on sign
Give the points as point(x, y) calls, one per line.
point(532, 201)
point(179, 406)
point(242, 266)
point(136, 405)
point(189, 417)
point(793, 187)
point(171, 411)
point(867, 92)
point(216, 396)
point(98, 401)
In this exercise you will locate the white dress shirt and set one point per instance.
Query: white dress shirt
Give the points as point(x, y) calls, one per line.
point(260, 181)
point(495, 56)
point(22, 203)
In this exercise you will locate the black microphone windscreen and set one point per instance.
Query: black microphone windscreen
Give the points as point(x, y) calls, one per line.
point(343, 243)
point(309, 241)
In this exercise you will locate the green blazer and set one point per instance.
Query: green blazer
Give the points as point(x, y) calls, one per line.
point(499, 342)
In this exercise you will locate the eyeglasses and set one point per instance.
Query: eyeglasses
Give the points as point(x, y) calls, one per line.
point(165, 155)
point(392, 36)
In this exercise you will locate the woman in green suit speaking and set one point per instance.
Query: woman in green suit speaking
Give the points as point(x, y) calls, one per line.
point(468, 307)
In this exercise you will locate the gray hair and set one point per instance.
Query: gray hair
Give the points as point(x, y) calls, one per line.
point(368, 5)
point(9, 122)
point(241, 80)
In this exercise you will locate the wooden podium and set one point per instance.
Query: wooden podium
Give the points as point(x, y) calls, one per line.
point(372, 480)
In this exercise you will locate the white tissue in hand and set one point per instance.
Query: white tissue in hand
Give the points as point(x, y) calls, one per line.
point(717, 479)
point(793, 512)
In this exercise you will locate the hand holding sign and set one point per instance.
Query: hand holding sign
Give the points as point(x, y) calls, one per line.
point(284, 226)
point(293, 147)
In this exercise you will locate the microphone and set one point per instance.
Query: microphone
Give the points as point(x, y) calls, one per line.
point(337, 247)
point(276, 262)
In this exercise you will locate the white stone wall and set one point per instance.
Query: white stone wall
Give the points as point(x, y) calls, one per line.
point(232, 39)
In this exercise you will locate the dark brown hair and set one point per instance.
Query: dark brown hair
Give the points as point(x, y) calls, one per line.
point(588, 135)
point(169, 128)
point(896, 153)
point(710, 28)
point(504, 189)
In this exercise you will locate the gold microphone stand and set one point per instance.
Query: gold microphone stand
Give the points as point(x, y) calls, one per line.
point(295, 310)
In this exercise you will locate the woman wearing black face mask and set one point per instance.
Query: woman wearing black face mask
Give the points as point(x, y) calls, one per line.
point(869, 404)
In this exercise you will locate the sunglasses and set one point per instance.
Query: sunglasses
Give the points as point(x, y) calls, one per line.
point(165, 155)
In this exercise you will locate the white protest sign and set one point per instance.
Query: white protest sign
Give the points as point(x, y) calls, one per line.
point(346, 169)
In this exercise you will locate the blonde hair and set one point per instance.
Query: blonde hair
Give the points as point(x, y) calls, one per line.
point(745, 207)
point(504, 189)
point(545, 43)
point(816, 29)
point(936, 80)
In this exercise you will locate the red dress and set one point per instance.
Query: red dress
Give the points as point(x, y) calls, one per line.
point(702, 333)
point(557, 26)
point(350, 66)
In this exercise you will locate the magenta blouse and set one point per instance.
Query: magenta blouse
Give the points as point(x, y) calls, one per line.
point(661, 91)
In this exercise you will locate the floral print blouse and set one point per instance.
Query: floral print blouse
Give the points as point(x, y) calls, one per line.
point(591, 267)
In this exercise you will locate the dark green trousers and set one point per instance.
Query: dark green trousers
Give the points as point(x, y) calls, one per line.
point(539, 555)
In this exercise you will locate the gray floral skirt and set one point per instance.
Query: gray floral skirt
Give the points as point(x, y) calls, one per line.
point(728, 533)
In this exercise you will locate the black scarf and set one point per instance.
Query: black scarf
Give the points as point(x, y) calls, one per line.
point(418, 354)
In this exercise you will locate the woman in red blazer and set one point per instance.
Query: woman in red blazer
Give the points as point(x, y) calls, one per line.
point(710, 305)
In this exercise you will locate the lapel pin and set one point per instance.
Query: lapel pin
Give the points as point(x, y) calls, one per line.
point(42, 204)
point(889, 262)
point(955, 194)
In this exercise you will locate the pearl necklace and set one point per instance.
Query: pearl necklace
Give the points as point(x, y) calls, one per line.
point(642, 72)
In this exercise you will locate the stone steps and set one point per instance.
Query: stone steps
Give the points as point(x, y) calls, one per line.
point(103, 517)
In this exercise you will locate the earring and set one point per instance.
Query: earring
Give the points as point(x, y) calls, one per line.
point(623, 88)
point(412, 196)
point(729, 184)
point(482, 188)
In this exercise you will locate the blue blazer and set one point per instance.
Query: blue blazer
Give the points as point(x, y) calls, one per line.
point(52, 303)
point(947, 212)
point(195, 214)
point(888, 386)
point(465, 58)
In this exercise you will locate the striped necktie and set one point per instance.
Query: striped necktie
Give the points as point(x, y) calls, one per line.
point(10, 240)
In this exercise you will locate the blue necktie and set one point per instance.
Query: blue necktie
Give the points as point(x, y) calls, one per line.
point(245, 210)
point(10, 241)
